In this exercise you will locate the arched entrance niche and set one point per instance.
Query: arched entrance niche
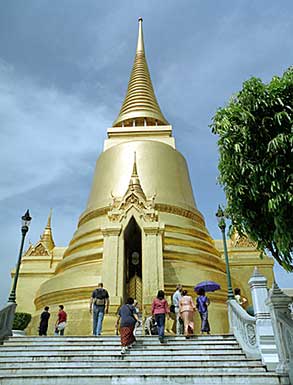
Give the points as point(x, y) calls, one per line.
point(133, 261)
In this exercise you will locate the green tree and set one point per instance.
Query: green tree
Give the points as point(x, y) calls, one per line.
point(255, 145)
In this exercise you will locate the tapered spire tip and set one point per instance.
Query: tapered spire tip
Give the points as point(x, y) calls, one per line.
point(49, 218)
point(140, 43)
point(134, 170)
point(47, 237)
point(140, 106)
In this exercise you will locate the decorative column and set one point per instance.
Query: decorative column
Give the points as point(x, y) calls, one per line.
point(111, 267)
point(264, 329)
point(280, 305)
point(152, 262)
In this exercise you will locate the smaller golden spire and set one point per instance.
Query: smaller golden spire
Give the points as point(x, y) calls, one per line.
point(134, 183)
point(134, 170)
point(47, 237)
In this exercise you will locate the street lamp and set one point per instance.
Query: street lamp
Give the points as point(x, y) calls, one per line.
point(26, 220)
point(222, 225)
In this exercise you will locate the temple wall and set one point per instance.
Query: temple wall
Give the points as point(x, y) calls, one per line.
point(189, 256)
point(243, 258)
point(34, 270)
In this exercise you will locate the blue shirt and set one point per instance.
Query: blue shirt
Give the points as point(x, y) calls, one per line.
point(126, 313)
point(202, 303)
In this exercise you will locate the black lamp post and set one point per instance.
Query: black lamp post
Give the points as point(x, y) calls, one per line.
point(26, 220)
point(222, 225)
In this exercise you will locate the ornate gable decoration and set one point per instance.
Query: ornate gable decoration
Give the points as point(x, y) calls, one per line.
point(133, 198)
point(46, 243)
point(242, 241)
point(37, 250)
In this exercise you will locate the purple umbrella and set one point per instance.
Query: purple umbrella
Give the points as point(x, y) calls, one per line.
point(207, 286)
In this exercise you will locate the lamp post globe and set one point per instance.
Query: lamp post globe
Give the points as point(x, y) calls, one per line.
point(26, 219)
point(220, 214)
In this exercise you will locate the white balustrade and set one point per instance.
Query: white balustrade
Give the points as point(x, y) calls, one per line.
point(256, 334)
point(242, 325)
point(6, 320)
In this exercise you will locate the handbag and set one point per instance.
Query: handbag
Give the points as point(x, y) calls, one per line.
point(61, 326)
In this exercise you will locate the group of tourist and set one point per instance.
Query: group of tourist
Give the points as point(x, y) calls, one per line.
point(183, 307)
point(60, 323)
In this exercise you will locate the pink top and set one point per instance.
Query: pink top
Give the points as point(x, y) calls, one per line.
point(186, 304)
point(160, 306)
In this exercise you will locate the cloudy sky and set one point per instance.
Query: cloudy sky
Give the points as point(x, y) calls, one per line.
point(64, 69)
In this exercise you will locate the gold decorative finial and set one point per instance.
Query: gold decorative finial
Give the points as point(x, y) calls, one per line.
point(134, 183)
point(140, 106)
point(47, 236)
point(134, 170)
point(140, 44)
point(49, 219)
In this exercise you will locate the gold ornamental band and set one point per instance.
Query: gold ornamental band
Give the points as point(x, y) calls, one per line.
point(193, 215)
point(65, 296)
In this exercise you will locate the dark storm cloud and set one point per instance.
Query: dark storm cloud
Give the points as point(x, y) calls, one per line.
point(64, 68)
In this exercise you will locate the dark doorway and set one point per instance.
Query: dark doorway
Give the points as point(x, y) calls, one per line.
point(132, 254)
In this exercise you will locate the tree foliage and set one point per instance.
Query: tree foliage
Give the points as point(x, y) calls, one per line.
point(255, 145)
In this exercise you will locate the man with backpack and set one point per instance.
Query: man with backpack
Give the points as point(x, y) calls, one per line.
point(99, 305)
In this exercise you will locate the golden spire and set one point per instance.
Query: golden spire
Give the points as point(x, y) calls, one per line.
point(47, 237)
point(140, 106)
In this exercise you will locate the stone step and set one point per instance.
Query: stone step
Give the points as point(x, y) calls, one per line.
point(162, 350)
point(114, 358)
point(117, 357)
point(158, 378)
point(119, 371)
point(129, 364)
point(97, 339)
point(110, 348)
point(113, 338)
point(98, 342)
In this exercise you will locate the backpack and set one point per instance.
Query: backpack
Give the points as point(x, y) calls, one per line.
point(100, 298)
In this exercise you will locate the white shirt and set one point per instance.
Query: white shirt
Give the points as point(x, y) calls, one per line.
point(176, 298)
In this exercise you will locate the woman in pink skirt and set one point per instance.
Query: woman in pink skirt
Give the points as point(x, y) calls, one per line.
point(187, 309)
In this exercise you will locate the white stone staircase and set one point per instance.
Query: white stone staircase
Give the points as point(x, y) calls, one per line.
point(215, 359)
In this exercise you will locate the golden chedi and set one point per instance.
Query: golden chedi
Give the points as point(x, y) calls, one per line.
point(141, 230)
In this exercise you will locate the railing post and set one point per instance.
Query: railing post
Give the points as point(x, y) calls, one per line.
point(279, 304)
point(264, 329)
point(230, 316)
